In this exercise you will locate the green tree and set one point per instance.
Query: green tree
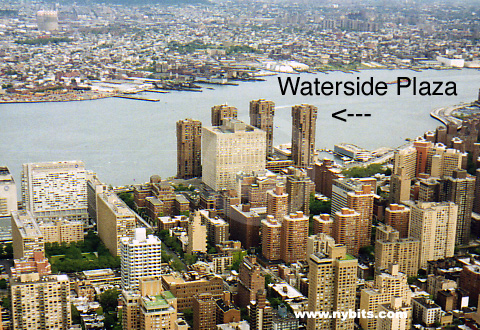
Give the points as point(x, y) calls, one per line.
point(177, 265)
point(367, 251)
point(166, 257)
point(128, 199)
point(363, 172)
point(237, 259)
point(75, 315)
point(188, 315)
point(7, 303)
point(163, 234)
point(71, 258)
point(91, 242)
point(9, 251)
point(244, 314)
point(190, 259)
point(3, 284)
point(73, 252)
point(109, 300)
point(268, 280)
point(319, 207)
point(182, 187)
point(422, 273)
point(275, 302)
point(118, 326)
point(110, 320)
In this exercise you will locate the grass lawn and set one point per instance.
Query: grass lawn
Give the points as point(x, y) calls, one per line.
point(86, 256)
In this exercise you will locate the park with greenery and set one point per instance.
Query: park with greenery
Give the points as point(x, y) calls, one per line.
point(319, 207)
point(364, 172)
point(80, 256)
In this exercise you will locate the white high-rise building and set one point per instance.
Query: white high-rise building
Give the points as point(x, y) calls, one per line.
point(8, 193)
point(229, 149)
point(55, 189)
point(405, 159)
point(47, 20)
point(94, 188)
point(141, 256)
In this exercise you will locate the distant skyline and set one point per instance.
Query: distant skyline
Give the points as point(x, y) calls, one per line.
point(341, 3)
point(114, 2)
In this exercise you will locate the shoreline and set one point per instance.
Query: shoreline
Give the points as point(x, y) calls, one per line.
point(144, 124)
point(443, 115)
point(21, 100)
point(49, 101)
point(104, 95)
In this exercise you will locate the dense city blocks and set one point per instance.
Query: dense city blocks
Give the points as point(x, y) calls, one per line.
point(237, 165)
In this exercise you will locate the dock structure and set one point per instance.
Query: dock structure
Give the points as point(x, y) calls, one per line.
point(156, 91)
point(139, 98)
point(226, 83)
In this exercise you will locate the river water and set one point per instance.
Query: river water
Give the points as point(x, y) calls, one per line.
point(126, 141)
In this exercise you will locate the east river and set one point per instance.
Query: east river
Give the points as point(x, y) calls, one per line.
point(126, 141)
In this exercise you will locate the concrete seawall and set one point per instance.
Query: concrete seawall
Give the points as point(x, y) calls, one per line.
point(444, 115)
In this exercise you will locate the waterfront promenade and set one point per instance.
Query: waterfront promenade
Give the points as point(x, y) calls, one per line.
point(444, 114)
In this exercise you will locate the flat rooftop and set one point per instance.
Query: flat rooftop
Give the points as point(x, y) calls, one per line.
point(116, 204)
point(26, 224)
point(98, 272)
point(158, 301)
point(232, 126)
point(5, 175)
point(77, 164)
point(287, 290)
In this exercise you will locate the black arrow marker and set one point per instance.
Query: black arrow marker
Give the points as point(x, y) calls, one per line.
point(336, 115)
